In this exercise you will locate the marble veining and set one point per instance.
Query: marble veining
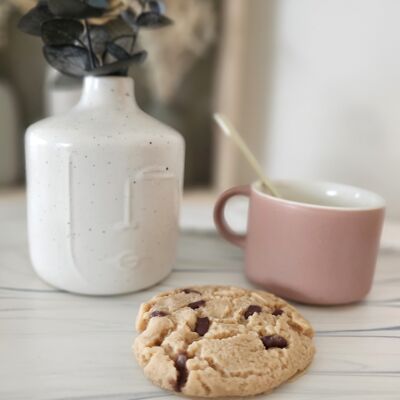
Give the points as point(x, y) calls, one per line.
point(57, 346)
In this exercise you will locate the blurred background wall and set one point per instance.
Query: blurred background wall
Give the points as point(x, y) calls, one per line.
point(336, 94)
point(318, 93)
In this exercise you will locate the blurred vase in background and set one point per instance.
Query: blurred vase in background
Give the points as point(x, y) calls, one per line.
point(9, 136)
point(61, 92)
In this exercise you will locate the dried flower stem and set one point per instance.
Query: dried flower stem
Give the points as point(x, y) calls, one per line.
point(91, 52)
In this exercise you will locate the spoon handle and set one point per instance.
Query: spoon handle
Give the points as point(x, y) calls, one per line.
point(230, 131)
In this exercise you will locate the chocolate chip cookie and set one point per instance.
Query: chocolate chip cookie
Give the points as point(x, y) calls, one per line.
point(215, 341)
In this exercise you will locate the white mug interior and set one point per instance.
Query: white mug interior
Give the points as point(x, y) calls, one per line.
point(324, 194)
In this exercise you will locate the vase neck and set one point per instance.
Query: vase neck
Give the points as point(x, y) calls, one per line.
point(108, 91)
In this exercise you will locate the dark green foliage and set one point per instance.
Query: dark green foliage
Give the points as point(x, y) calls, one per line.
point(117, 51)
point(119, 67)
point(157, 6)
point(130, 18)
point(71, 60)
point(152, 19)
point(31, 22)
point(61, 31)
point(79, 9)
point(76, 47)
point(99, 37)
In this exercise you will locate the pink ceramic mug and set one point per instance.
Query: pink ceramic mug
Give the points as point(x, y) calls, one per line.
point(317, 244)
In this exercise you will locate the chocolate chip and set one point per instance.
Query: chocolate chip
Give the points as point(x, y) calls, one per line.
point(252, 310)
point(180, 365)
point(157, 313)
point(202, 326)
point(272, 341)
point(277, 312)
point(197, 304)
point(188, 290)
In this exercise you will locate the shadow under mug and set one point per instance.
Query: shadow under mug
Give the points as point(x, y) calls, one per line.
point(318, 244)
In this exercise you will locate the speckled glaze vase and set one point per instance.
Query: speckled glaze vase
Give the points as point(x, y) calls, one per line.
point(104, 190)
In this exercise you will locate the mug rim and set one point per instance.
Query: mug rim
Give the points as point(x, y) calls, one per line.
point(381, 203)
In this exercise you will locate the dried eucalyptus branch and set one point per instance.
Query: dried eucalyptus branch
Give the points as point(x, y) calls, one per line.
point(90, 46)
point(93, 37)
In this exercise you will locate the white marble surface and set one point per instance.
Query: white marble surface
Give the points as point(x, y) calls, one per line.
point(56, 346)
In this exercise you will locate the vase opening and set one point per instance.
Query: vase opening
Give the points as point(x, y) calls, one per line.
point(108, 90)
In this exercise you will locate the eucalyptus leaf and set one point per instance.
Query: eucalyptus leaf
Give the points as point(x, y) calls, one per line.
point(119, 67)
point(117, 27)
point(100, 37)
point(98, 3)
point(70, 60)
point(126, 41)
point(61, 31)
point(143, 2)
point(117, 51)
point(157, 6)
point(32, 21)
point(129, 16)
point(74, 9)
point(151, 19)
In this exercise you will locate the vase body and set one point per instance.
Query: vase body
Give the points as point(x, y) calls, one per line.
point(104, 190)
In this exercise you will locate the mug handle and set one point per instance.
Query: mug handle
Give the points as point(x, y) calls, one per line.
point(219, 215)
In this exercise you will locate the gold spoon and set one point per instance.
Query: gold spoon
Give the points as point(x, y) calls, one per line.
point(230, 131)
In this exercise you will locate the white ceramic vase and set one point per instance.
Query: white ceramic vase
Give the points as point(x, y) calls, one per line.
point(104, 190)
